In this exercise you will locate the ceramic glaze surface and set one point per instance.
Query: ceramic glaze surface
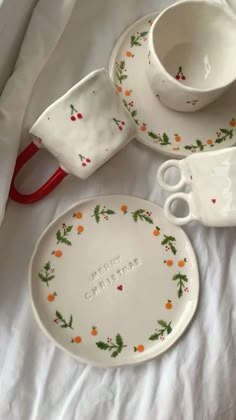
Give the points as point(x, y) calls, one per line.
point(113, 282)
point(86, 126)
point(172, 133)
point(184, 45)
point(212, 179)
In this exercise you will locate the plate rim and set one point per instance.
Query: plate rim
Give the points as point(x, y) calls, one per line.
point(111, 64)
point(108, 364)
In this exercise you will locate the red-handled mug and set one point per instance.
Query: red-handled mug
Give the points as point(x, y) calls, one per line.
point(83, 129)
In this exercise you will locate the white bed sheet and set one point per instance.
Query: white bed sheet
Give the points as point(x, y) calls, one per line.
point(196, 379)
point(13, 23)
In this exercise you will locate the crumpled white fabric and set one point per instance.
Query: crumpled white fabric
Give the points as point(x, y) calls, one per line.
point(196, 378)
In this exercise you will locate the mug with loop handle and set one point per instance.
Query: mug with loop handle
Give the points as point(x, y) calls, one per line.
point(83, 129)
point(172, 163)
point(180, 221)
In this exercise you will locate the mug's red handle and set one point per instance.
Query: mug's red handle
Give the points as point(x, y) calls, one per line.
point(52, 182)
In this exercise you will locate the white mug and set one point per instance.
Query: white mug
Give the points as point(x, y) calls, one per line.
point(83, 129)
point(191, 54)
point(211, 177)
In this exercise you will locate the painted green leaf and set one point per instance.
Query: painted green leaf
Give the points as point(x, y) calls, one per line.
point(224, 130)
point(152, 135)
point(168, 328)
point(122, 65)
point(101, 345)
point(188, 147)
point(119, 340)
point(154, 336)
point(162, 323)
point(165, 139)
point(58, 315)
point(109, 212)
point(115, 353)
point(47, 266)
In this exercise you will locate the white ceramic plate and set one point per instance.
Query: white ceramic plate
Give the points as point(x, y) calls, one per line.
point(170, 132)
point(113, 282)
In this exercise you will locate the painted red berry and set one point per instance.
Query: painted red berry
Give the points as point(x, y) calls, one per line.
point(72, 118)
point(122, 122)
point(120, 128)
point(80, 116)
point(183, 78)
point(88, 160)
point(177, 77)
point(83, 164)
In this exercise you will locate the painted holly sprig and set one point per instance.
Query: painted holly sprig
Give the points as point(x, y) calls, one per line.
point(181, 279)
point(74, 113)
point(136, 38)
point(46, 273)
point(120, 70)
point(62, 234)
point(98, 212)
point(120, 124)
point(169, 242)
point(222, 135)
point(162, 140)
point(193, 147)
point(142, 215)
point(63, 323)
point(116, 347)
point(164, 330)
point(133, 112)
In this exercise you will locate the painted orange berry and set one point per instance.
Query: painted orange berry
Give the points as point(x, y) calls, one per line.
point(94, 331)
point(119, 89)
point(209, 141)
point(128, 53)
point(168, 304)
point(80, 229)
point(169, 263)
point(51, 297)
point(139, 348)
point(156, 232)
point(177, 138)
point(57, 253)
point(181, 263)
point(128, 92)
point(232, 122)
point(78, 215)
point(124, 208)
point(143, 127)
point(77, 339)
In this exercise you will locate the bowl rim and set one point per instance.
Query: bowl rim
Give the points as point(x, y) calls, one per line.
point(225, 9)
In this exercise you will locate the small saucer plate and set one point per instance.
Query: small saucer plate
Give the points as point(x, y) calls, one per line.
point(112, 282)
point(170, 132)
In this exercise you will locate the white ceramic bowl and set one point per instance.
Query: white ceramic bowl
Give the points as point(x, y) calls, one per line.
point(192, 54)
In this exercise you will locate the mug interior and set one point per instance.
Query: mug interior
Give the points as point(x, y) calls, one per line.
point(195, 42)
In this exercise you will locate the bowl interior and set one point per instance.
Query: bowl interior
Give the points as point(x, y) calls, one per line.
point(195, 42)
